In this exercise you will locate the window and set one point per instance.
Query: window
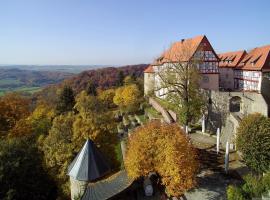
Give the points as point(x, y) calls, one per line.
point(205, 79)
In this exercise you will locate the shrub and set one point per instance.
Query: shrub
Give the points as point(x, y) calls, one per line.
point(254, 187)
point(253, 140)
point(234, 193)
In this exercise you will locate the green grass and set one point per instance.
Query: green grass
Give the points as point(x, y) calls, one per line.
point(164, 103)
point(25, 89)
point(153, 112)
point(119, 156)
point(142, 118)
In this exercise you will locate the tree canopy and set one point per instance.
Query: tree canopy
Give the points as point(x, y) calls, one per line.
point(128, 97)
point(163, 149)
point(13, 108)
point(22, 176)
point(66, 100)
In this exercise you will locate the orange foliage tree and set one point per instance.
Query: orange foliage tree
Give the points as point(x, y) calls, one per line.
point(13, 107)
point(163, 149)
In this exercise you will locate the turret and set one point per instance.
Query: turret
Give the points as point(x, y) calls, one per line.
point(88, 166)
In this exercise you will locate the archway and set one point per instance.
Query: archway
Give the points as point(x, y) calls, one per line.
point(235, 104)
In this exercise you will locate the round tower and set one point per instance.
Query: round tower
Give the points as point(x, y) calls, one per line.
point(89, 165)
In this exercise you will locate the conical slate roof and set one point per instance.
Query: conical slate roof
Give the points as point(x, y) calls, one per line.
point(89, 164)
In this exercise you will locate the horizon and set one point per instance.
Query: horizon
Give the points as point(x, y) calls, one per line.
point(123, 32)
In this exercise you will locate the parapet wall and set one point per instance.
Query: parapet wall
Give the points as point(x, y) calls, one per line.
point(219, 115)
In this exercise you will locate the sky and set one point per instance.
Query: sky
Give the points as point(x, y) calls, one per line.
point(120, 32)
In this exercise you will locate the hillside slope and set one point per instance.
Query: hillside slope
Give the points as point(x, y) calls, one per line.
point(104, 77)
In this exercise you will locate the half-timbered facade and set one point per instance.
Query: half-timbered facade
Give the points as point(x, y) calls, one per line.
point(249, 73)
point(228, 63)
point(184, 51)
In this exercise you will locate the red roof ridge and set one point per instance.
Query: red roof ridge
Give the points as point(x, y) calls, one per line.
point(149, 69)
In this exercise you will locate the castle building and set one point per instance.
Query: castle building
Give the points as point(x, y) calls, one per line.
point(237, 83)
point(242, 71)
point(183, 52)
point(228, 62)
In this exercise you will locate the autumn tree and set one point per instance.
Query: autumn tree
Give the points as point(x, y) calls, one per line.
point(128, 97)
point(23, 127)
point(179, 80)
point(163, 149)
point(106, 98)
point(66, 100)
point(94, 121)
point(58, 150)
point(129, 80)
point(13, 107)
point(120, 78)
point(253, 140)
point(91, 88)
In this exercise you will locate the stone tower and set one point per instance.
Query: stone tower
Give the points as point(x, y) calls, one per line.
point(89, 165)
point(149, 80)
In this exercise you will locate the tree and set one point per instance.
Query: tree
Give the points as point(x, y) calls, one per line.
point(66, 100)
point(163, 149)
point(179, 79)
point(253, 140)
point(13, 107)
point(106, 98)
point(91, 88)
point(22, 176)
point(128, 97)
point(23, 127)
point(94, 121)
point(120, 78)
point(58, 149)
point(129, 80)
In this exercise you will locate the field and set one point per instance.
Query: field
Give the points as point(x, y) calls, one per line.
point(24, 89)
point(12, 85)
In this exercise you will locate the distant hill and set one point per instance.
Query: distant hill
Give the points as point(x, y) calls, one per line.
point(28, 80)
point(54, 68)
point(104, 77)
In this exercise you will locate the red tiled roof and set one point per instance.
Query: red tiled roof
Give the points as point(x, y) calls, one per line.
point(257, 59)
point(183, 50)
point(149, 69)
point(231, 59)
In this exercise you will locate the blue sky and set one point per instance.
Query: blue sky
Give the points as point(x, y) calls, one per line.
point(118, 32)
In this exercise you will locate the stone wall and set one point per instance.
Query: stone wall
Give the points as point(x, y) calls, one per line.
point(265, 90)
point(149, 82)
point(219, 115)
point(77, 188)
point(166, 116)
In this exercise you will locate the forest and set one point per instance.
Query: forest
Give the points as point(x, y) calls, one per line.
point(41, 134)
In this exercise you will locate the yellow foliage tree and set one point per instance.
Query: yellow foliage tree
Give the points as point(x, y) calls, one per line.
point(163, 149)
point(106, 97)
point(95, 122)
point(128, 97)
